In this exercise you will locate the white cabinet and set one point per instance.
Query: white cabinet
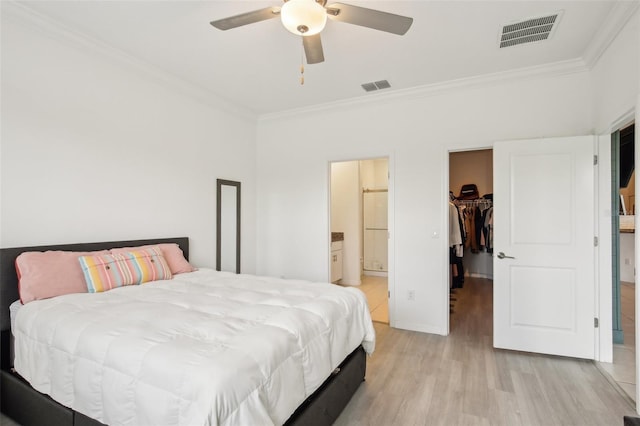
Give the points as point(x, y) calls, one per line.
point(336, 261)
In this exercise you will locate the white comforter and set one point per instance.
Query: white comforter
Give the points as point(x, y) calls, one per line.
point(205, 348)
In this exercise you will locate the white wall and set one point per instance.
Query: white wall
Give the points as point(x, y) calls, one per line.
point(93, 149)
point(615, 78)
point(416, 132)
point(346, 217)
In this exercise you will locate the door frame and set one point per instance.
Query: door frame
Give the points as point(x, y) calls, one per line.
point(390, 224)
point(604, 296)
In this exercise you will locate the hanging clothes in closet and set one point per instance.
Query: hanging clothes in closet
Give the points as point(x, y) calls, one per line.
point(487, 229)
point(478, 219)
point(457, 237)
point(473, 227)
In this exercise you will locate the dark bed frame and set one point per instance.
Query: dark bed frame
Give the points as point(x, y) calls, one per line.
point(26, 406)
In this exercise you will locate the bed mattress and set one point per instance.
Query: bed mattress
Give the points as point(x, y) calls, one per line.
point(204, 348)
point(13, 312)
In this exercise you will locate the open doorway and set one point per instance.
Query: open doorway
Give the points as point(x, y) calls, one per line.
point(471, 256)
point(622, 370)
point(359, 254)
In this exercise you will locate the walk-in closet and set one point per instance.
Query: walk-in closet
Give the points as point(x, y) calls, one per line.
point(470, 230)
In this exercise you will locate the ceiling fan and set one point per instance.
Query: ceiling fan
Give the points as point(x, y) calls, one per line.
point(307, 18)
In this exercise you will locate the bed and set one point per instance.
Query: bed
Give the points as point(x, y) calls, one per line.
point(192, 370)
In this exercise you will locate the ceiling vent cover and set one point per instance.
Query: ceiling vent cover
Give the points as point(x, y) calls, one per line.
point(529, 30)
point(376, 85)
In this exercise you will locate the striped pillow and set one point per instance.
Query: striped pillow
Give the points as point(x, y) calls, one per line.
point(107, 271)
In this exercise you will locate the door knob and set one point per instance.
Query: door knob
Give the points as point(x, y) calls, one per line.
point(501, 255)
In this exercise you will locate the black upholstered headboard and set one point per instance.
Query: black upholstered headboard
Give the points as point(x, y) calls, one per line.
point(9, 279)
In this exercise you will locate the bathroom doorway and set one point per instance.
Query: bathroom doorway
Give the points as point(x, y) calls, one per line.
point(359, 253)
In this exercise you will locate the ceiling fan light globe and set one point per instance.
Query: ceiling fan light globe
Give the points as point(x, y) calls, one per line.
point(303, 17)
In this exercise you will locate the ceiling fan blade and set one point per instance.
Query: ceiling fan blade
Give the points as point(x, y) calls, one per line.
point(246, 18)
point(369, 18)
point(313, 49)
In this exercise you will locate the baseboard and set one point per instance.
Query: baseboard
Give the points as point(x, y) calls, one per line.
point(478, 275)
point(376, 273)
point(423, 328)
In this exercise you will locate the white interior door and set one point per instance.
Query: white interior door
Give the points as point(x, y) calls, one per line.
point(544, 222)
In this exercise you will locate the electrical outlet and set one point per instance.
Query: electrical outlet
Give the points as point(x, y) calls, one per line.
point(627, 262)
point(411, 295)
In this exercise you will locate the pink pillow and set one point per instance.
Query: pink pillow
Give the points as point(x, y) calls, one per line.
point(42, 275)
point(171, 252)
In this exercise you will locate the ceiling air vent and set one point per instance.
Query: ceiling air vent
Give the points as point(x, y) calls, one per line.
point(376, 85)
point(529, 30)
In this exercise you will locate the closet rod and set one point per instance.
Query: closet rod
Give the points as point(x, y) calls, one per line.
point(476, 201)
point(374, 190)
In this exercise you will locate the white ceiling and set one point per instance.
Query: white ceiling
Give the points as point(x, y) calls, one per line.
point(257, 67)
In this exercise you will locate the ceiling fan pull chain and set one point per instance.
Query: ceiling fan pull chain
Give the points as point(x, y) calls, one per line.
point(302, 65)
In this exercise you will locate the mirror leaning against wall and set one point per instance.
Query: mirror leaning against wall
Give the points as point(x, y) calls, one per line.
point(228, 226)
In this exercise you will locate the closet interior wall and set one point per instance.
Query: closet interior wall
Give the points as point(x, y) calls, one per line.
point(473, 167)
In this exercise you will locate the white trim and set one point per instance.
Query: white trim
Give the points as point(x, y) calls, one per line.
point(625, 120)
point(328, 230)
point(391, 224)
point(603, 350)
point(414, 326)
point(547, 70)
point(51, 28)
point(479, 275)
point(604, 300)
point(444, 243)
point(637, 248)
point(618, 17)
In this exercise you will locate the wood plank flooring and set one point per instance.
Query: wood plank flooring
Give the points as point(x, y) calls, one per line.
point(375, 289)
point(623, 368)
point(423, 379)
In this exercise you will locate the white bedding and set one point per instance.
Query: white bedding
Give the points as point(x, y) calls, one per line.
point(13, 312)
point(205, 348)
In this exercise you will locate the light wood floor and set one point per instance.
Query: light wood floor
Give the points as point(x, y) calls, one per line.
point(424, 379)
point(376, 291)
point(623, 368)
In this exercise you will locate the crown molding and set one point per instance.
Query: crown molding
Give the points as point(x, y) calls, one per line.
point(23, 14)
point(486, 80)
point(618, 17)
